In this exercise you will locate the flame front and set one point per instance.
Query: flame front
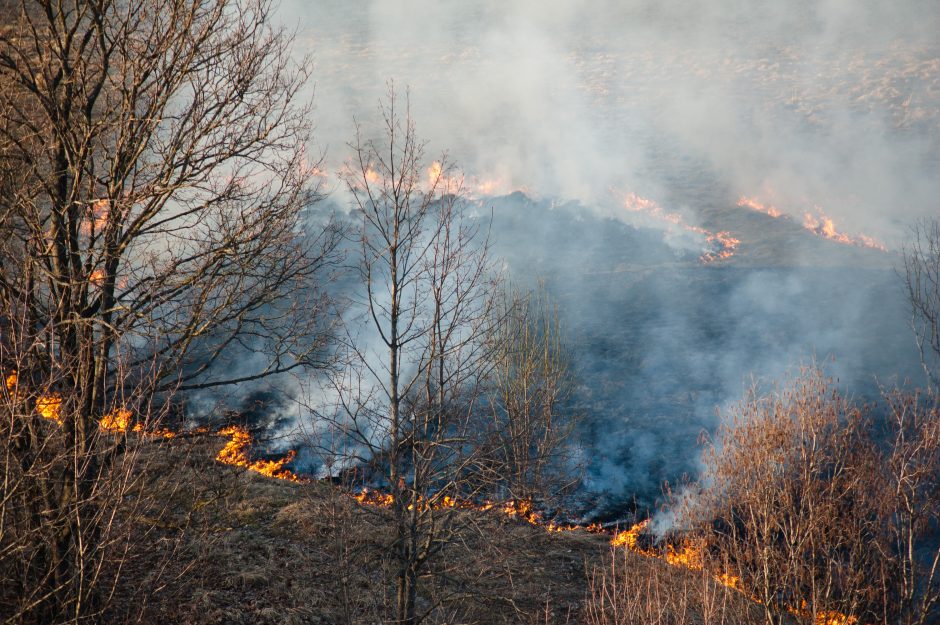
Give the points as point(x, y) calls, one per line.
point(48, 406)
point(816, 222)
point(118, 420)
point(756, 205)
point(824, 226)
point(719, 245)
point(235, 453)
point(690, 556)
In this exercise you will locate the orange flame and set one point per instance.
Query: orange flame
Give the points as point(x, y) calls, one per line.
point(819, 224)
point(755, 205)
point(235, 453)
point(115, 421)
point(824, 226)
point(721, 245)
point(48, 406)
point(690, 556)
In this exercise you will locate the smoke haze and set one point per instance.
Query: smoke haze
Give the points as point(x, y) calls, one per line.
point(825, 108)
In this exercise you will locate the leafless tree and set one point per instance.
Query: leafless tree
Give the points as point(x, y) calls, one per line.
point(821, 512)
point(409, 396)
point(526, 390)
point(922, 283)
point(152, 180)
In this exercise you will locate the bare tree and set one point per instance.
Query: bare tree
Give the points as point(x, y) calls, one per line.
point(922, 283)
point(152, 178)
point(527, 387)
point(819, 511)
point(409, 397)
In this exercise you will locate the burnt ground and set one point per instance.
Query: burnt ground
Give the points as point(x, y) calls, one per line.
point(219, 544)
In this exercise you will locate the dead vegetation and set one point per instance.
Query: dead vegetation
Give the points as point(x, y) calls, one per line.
point(234, 547)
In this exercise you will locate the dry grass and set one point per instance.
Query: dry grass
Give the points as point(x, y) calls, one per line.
point(241, 548)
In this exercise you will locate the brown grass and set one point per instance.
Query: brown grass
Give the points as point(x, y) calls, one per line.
point(242, 548)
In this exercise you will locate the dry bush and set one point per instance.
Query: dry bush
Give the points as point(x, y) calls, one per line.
point(528, 431)
point(623, 594)
point(825, 511)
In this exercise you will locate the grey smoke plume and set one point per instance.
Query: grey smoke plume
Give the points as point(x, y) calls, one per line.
point(810, 106)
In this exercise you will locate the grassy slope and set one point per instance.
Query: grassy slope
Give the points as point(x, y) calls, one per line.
point(236, 547)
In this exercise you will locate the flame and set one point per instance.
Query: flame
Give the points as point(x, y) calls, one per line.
point(689, 556)
point(719, 245)
point(755, 205)
point(725, 246)
point(235, 453)
point(824, 226)
point(372, 176)
point(819, 224)
point(11, 381)
point(98, 213)
point(48, 406)
point(117, 420)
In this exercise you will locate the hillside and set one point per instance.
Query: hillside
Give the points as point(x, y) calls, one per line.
point(659, 339)
point(240, 548)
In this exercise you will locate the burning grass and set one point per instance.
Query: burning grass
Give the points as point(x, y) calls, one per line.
point(248, 549)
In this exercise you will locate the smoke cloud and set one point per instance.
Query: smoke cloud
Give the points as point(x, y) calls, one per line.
point(822, 107)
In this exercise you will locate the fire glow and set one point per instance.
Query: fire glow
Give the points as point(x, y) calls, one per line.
point(473, 187)
point(719, 245)
point(235, 453)
point(816, 222)
point(689, 555)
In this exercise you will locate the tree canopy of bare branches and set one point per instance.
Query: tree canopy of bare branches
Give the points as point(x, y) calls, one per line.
point(152, 176)
point(408, 398)
point(922, 283)
point(822, 510)
point(526, 391)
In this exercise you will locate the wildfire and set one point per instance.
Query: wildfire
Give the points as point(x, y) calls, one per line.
point(755, 205)
point(48, 406)
point(689, 556)
point(97, 217)
point(438, 178)
point(819, 224)
point(720, 245)
point(824, 226)
point(117, 420)
point(235, 453)
point(724, 246)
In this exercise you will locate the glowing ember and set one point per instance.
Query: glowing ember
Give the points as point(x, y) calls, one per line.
point(11, 382)
point(235, 453)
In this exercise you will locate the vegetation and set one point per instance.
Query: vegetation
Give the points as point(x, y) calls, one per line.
point(822, 510)
point(152, 173)
point(153, 187)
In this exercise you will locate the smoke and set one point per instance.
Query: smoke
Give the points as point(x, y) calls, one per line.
point(824, 103)
point(813, 106)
